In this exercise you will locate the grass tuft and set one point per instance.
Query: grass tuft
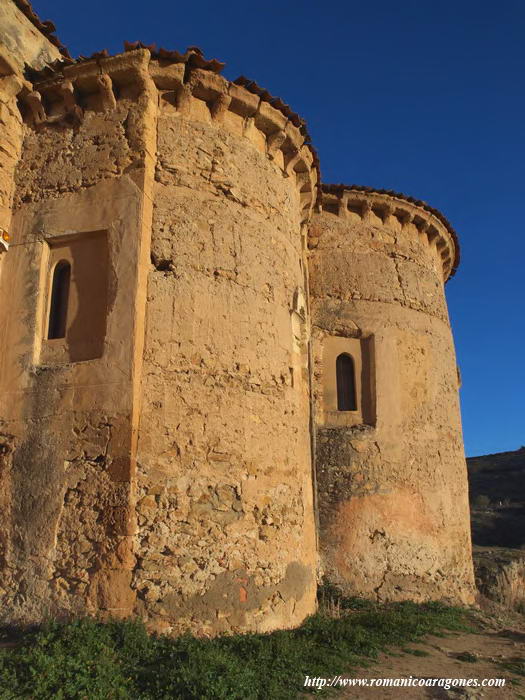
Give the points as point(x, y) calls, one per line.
point(515, 665)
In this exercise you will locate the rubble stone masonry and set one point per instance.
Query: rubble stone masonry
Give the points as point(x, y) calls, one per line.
point(392, 485)
point(167, 400)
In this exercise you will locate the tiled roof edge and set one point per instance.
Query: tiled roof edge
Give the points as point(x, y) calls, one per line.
point(285, 109)
point(339, 189)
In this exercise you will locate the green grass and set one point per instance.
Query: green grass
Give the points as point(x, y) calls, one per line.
point(94, 660)
point(467, 657)
point(415, 652)
point(515, 665)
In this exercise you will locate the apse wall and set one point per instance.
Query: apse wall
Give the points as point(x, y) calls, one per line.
point(391, 474)
point(226, 538)
point(67, 390)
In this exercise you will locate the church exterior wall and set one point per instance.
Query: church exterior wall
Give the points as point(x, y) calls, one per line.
point(215, 530)
point(226, 537)
point(68, 404)
point(173, 446)
point(392, 484)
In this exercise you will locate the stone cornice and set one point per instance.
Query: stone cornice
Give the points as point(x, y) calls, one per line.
point(340, 199)
point(286, 138)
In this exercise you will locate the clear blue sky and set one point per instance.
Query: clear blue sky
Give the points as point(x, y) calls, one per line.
point(420, 96)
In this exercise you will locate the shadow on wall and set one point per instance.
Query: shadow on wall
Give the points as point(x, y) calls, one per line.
point(86, 330)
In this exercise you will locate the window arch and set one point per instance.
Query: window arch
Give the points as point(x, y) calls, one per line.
point(345, 379)
point(59, 300)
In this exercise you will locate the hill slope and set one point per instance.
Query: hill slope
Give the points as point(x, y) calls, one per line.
point(497, 498)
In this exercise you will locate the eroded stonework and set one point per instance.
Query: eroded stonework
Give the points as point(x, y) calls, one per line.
point(172, 441)
point(392, 498)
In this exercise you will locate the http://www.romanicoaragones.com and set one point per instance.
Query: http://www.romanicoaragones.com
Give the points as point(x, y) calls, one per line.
point(410, 682)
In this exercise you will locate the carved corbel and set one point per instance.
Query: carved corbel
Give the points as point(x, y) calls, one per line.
point(406, 218)
point(67, 93)
point(304, 180)
point(343, 205)
point(249, 127)
point(274, 143)
point(441, 244)
point(366, 209)
point(105, 89)
point(447, 267)
point(388, 211)
point(433, 234)
point(183, 97)
point(220, 106)
point(33, 100)
point(422, 226)
point(291, 163)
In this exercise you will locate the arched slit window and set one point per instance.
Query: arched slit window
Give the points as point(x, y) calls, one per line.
point(59, 300)
point(345, 377)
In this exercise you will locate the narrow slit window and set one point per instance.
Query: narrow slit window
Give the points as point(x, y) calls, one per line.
point(345, 377)
point(59, 300)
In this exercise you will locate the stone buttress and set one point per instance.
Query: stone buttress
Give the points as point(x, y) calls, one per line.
point(70, 397)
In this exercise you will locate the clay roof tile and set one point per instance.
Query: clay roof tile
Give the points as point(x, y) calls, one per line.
point(193, 56)
point(196, 60)
point(132, 45)
point(168, 55)
point(276, 102)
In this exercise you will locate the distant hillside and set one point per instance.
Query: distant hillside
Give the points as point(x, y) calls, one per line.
point(497, 498)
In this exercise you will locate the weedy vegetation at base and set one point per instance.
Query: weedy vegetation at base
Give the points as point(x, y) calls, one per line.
point(101, 661)
point(515, 665)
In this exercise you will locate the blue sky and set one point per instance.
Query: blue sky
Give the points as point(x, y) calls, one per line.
point(424, 97)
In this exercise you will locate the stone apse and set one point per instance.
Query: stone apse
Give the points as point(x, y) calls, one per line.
point(220, 380)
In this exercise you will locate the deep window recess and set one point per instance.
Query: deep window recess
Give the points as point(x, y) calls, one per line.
point(59, 300)
point(345, 376)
